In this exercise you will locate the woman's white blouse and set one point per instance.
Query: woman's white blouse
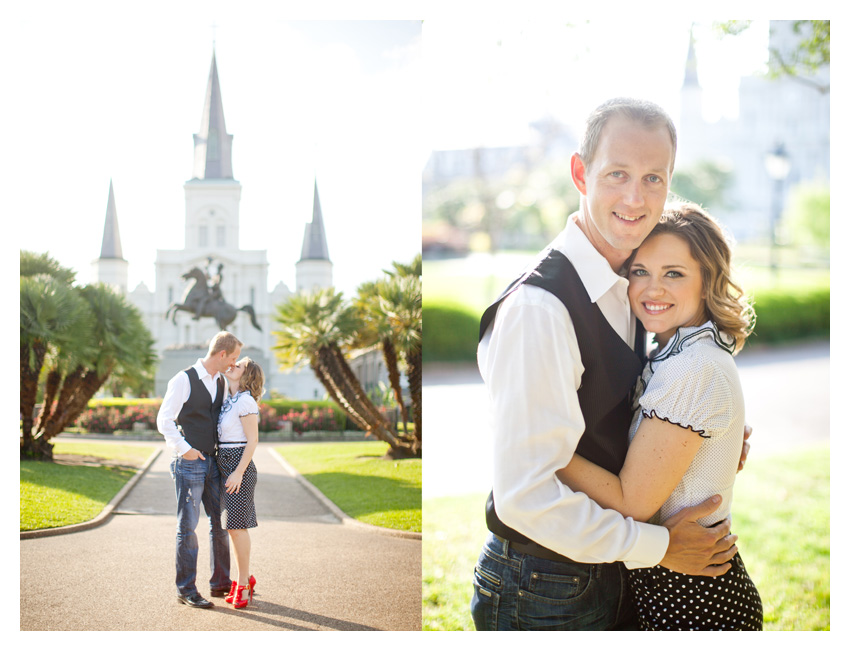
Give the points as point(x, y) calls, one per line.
point(230, 420)
point(693, 382)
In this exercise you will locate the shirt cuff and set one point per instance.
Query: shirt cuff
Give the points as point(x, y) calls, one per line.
point(650, 548)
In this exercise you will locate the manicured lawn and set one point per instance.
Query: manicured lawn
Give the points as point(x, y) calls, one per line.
point(780, 513)
point(385, 493)
point(59, 494)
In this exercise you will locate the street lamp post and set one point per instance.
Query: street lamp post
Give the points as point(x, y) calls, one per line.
point(778, 166)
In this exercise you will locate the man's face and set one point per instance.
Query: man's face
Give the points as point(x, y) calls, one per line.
point(625, 186)
point(226, 361)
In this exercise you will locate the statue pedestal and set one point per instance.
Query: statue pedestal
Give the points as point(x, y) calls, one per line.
point(178, 358)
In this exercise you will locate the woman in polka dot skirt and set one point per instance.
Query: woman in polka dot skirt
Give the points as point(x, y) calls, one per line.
point(687, 431)
point(238, 435)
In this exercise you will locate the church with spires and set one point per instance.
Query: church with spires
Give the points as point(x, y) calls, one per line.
point(239, 276)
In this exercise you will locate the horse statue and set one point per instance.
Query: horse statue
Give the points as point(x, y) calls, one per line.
point(200, 301)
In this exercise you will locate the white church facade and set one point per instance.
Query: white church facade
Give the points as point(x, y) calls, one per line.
point(212, 198)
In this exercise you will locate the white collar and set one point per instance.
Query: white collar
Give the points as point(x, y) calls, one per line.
point(202, 370)
point(593, 269)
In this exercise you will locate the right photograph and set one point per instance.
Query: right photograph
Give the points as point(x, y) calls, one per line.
point(626, 339)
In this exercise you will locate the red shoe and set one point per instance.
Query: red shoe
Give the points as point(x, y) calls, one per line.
point(239, 600)
point(229, 598)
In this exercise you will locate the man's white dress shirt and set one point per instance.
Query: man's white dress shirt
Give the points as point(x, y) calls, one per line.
point(530, 361)
point(176, 394)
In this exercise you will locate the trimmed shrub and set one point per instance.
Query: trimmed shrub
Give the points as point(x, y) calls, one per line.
point(449, 333)
point(784, 316)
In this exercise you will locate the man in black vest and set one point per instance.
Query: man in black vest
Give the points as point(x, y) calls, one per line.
point(188, 418)
point(560, 353)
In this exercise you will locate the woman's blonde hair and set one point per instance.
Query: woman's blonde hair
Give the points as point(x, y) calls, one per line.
point(253, 379)
point(725, 302)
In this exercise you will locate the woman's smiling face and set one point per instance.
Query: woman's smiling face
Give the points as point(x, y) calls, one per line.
point(665, 286)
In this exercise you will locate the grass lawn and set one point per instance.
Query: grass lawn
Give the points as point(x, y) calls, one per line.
point(385, 493)
point(76, 488)
point(780, 512)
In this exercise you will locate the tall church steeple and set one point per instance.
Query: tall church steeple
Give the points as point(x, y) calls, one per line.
point(212, 142)
point(315, 268)
point(111, 267)
point(691, 79)
point(212, 194)
point(691, 120)
point(315, 244)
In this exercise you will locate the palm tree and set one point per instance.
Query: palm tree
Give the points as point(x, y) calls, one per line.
point(377, 330)
point(314, 330)
point(75, 338)
point(123, 347)
point(389, 307)
point(400, 300)
point(55, 330)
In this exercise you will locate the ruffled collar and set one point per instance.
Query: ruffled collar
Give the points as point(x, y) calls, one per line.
point(688, 335)
point(233, 398)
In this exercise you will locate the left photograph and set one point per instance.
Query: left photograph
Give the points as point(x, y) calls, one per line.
point(220, 320)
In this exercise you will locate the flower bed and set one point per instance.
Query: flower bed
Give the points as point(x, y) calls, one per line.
point(107, 417)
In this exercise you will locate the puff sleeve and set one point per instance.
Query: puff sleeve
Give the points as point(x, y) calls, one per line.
point(692, 392)
point(247, 405)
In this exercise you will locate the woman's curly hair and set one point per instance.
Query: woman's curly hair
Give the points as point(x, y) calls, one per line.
point(727, 305)
point(253, 379)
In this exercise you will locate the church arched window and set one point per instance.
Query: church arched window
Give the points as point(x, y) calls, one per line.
point(202, 235)
point(220, 236)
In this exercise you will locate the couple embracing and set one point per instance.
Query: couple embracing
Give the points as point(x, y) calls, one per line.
point(210, 419)
point(613, 474)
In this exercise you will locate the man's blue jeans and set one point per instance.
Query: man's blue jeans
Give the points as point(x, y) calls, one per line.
point(198, 482)
point(515, 591)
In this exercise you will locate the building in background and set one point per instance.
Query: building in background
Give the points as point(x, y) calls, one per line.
point(212, 245)
point(789, 111)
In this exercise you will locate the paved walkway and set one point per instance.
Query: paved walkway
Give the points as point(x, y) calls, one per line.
point(313, 572)
point(786, 390)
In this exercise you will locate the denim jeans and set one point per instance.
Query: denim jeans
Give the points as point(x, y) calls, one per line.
point(198, 482)
point(515, 591)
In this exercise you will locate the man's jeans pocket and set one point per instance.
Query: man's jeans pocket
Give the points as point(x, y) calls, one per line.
point(485, 599)
point(557, 601)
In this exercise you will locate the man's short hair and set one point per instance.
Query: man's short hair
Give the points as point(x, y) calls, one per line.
point(643, 112)
point(224, 341)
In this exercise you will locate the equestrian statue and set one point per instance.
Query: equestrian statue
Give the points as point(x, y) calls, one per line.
point(204, 299)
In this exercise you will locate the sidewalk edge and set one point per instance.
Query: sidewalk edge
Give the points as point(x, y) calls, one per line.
point(104, 515)
point(333, 508)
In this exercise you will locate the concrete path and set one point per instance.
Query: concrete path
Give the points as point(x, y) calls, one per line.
point(313, 572)
point(786, 390)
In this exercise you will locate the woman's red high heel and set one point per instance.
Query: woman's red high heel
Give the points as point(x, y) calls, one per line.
point(229, 598)
point(239, 600)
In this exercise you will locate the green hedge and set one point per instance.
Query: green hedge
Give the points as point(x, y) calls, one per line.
point(450, 331)
point(788, 315)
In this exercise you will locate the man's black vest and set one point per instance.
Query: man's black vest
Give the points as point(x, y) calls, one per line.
point(199, 416)
point(611, 369)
